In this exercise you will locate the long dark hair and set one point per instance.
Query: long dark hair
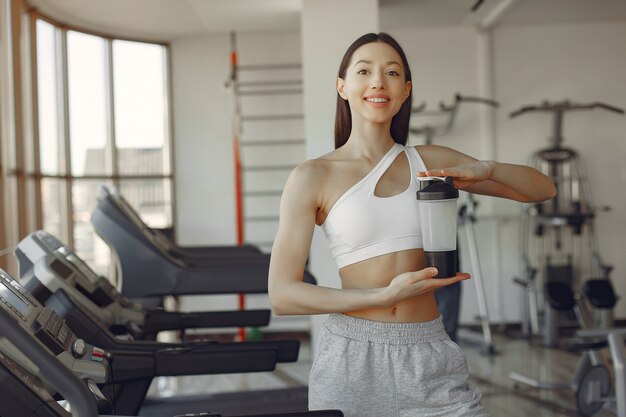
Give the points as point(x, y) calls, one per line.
point(343, 118)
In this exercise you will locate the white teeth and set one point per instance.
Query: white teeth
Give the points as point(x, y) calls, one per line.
point(377, 100)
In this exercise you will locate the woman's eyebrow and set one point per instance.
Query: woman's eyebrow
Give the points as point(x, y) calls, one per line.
point(364, 61)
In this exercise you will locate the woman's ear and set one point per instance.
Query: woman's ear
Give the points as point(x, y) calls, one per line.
point(407, 89)
point(340, 88)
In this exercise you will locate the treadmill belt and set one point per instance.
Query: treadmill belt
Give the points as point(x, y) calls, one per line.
point(230, 404)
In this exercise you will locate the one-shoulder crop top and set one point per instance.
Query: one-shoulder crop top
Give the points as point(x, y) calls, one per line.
point(361, 225)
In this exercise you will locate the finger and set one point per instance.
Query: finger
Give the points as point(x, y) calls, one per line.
point(450, 172)
point(460, 276)
point(425, 273)
point(434, 173)
point(445, 173)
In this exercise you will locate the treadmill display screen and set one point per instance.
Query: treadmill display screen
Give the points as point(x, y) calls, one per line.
point(7, 294)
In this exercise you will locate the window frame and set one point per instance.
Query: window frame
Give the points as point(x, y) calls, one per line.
point(115, 177)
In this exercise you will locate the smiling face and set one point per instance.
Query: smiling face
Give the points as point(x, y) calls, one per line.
point(374, 83)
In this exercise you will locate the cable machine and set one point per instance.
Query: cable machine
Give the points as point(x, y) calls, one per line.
point(467, 211)
point(553, 233)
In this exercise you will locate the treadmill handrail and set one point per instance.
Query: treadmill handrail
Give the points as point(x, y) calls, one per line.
point(50, 368)
point(287, 350)
point(107, 208)
point(154, 237)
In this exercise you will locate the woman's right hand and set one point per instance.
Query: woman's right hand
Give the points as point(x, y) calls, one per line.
point(411, 284)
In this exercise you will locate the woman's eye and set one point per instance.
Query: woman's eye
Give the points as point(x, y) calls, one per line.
point(362, 71)
point(393, 73)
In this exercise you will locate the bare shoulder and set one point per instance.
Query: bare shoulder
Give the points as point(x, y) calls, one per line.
point(309, 172)
point(310, 176)
point(314, 171)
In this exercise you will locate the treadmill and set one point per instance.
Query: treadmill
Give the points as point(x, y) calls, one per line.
point(148, 270)
point(89, 320)
point(83, 316)
point(42, 362)
point(61, 268)
point(160, 239)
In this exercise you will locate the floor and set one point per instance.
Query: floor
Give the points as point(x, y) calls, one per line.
point(501, 396)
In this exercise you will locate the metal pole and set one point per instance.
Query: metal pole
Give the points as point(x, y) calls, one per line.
point(237, 156)
point(478, 278)
point(616, 345)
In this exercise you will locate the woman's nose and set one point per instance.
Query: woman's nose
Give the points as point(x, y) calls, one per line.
point(377, 83)
point(378, 80)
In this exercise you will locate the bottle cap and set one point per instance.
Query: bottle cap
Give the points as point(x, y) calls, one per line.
point(436, 188)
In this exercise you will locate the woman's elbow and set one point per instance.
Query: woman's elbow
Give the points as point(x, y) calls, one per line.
point(544, 194)
point(277, 303)
point(550, 193)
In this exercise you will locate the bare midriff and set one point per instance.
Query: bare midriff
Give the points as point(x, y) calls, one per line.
point(378, 272)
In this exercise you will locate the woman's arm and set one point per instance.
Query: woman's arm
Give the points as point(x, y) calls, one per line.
point(289, 294)
point(515, 182)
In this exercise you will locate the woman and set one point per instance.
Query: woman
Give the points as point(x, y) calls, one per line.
point(383, 350)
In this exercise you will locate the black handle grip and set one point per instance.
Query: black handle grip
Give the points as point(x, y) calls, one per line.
point(566, 105)
point(470, 99)
point(609, 107)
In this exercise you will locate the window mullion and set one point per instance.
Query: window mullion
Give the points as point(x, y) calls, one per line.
point(65, 154)
point(28, 122)
point(168, 143)
point(18, 163)
point(112, 160)
point(35, 125)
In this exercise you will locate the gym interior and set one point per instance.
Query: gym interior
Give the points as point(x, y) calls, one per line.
point(144, 147)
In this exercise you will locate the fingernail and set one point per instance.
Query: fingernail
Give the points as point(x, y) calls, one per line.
point(434, 271)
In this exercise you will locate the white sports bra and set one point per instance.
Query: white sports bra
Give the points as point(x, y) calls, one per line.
point(361, 225)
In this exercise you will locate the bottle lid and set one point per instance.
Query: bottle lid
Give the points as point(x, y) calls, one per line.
point(436, 188)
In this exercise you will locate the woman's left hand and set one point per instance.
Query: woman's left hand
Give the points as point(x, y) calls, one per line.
point(464, 175)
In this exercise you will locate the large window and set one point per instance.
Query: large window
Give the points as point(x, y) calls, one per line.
point(103, 118)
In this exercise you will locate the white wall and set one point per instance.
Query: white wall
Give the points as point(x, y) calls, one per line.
point(205, 202)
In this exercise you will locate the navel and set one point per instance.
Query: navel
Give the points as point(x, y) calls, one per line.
point(393, 310)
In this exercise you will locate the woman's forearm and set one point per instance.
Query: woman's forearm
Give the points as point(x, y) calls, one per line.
point(530, 184)
point(298, 298)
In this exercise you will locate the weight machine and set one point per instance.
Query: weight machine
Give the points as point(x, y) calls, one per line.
point(553, 233)
point(467, 217)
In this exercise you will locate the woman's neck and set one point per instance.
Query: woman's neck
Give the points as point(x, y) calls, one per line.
point(371, 140)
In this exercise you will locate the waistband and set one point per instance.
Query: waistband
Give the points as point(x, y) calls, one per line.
point(386, 332)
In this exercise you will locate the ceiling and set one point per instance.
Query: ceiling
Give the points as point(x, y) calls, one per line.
point(168, 19)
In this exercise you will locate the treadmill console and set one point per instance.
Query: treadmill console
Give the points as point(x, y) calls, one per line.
point(85, 360)
point(97, 288)
point(15, 299)
point(16, 369)
point(70, 267)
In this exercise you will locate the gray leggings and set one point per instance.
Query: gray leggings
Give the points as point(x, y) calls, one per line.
point(368, 368)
